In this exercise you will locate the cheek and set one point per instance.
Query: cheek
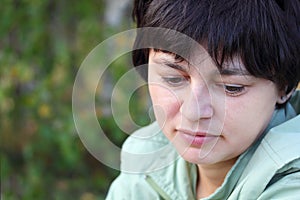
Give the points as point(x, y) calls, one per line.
point(248, 119)
point(165, 103)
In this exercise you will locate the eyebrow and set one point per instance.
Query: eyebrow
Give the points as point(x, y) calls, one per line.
point(175, 66)
point(234, 72)
point(224, 71)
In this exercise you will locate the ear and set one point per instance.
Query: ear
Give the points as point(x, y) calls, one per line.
point(283, 97)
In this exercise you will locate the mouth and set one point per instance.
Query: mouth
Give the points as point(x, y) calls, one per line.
point(196, 138)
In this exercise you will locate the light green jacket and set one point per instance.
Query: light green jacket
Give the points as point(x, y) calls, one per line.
point(269, 169)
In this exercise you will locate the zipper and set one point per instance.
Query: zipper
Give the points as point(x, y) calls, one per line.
point(155, 187)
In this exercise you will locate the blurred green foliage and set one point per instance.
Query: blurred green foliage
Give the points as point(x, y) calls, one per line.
point(42, 46)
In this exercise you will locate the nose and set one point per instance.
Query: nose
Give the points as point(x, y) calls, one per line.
point(197, 104)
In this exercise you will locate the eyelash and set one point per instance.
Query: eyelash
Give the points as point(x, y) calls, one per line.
point(175, 81)
point(234, 90)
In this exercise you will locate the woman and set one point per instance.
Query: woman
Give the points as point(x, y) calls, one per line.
point(228, 108)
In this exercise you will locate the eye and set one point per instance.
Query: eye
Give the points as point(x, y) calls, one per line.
point(175, 81)
point(234, 90)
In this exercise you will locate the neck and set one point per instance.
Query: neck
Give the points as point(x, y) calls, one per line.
point(212, 176)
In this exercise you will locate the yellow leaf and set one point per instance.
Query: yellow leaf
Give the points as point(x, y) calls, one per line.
point(44, 111)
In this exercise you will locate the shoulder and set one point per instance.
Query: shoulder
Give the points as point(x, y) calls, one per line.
point(145, 139)
point(275, 164)
point(283, 142)
point(147, 150)
point(283, 147)
point(138, 153)
point(125, 186)
point(284, 185)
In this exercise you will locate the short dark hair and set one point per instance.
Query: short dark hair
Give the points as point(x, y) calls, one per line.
point(265, 34)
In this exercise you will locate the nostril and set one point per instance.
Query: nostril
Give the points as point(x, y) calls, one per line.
point(196, 111)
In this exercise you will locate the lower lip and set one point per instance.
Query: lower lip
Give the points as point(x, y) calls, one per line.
point(196, 140)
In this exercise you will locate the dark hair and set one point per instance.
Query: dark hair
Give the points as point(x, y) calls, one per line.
point(265, 34)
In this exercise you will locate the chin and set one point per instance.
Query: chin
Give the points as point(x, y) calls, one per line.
point(196, 156)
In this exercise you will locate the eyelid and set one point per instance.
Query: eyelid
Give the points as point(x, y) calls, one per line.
point(181, 80)
point(238, 89)
point(233, 85)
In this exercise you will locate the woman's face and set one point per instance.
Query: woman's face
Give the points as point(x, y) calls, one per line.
point(208, 115)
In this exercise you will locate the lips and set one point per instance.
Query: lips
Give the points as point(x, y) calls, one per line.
point(196, 138)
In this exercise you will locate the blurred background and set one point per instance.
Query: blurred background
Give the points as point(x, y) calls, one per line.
point(43, 44)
